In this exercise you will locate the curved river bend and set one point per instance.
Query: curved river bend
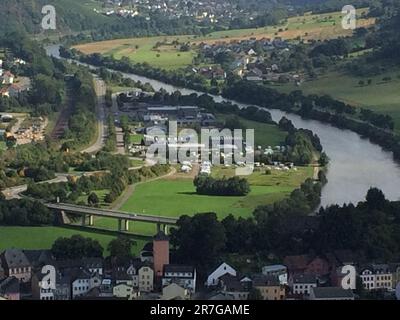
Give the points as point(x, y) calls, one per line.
point(355, 165)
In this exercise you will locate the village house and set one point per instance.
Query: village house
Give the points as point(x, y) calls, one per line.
point(174, 291)
point(376, 276)
point(184, 276)
point(16, 264)
point(223, 269)
point(301, 284)
point(146, 278)
point(7, 78)
point(277, 270)
point(307, 264)
point(235, 286)
point(269, 287)
point(10, 288)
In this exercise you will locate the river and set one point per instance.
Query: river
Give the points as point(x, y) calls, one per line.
point(355, 165)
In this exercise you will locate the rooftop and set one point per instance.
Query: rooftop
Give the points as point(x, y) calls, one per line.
point(332, 293)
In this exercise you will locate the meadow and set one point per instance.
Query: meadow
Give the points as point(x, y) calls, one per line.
point(43, 237)
point(161, 51)
point(176, 195)
point(381, 96)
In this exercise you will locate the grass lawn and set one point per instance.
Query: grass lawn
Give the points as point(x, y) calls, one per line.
point(100, 193)
point(137, 163)
point(136, 138)
point(264, 134)
point(43, 237)
point(177, 196)
point(380, 96)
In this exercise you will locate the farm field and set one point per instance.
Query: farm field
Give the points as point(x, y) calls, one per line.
point(168, 56)
point(381, 96)
point(43, 237)
point(176, 195)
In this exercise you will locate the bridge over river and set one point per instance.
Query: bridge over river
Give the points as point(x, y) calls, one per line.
point(123, 218)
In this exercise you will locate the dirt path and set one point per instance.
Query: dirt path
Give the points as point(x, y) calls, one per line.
point(131, 189)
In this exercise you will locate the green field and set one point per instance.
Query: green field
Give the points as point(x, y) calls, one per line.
point(264, 134)
point(176, 196)
point(43, 237)
point(168, 56)
point(380, 96)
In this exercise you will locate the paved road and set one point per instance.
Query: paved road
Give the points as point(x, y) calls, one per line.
point(119, 132)
point(100, 88)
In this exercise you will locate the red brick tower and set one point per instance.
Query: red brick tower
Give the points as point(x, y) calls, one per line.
point(160, 253)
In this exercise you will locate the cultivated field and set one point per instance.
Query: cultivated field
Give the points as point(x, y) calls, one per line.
point(168, 55)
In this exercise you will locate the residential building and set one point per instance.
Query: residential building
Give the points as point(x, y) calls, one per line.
point(301, 284)
point(276, 270)
point(10, 288)
point(174, 291)
point(269, 287)
point(330, 293)
point(213, 278)
point(16, 264)
point(235, 286)
point(376, 276)
point(395, 269)
point(146, 278)
point(125, 291)
point(307, 264)
point(184, 276)
point(83, 282)
point(7, 78)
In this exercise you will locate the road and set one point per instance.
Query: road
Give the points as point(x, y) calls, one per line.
point(100, 88)
point(118, 129)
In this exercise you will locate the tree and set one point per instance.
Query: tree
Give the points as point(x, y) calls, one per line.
point(375, 199)
point(121, 247)
point(76, 247)
point(255, 294)
point(93, 199)
point(199, 240)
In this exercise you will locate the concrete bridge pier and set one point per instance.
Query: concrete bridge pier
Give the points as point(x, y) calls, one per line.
point(91, 220)
point(126, 225)
point(162, 227)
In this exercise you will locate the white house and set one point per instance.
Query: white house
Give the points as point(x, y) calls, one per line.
point(8, 78)
point(223, 269)
point(84, 282)
point(184, 276)
point(302, 284)
point(277, 270)
point(376, 276)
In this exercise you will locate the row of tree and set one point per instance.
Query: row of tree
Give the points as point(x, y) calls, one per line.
point(233, 186)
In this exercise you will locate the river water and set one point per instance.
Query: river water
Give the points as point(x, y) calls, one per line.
point(355, 165)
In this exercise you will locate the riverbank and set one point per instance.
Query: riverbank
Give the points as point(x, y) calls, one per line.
point(355, 165)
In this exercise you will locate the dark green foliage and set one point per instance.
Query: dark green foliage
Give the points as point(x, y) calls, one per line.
point(24, 213)
point(76, 247)
point(234, 186)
